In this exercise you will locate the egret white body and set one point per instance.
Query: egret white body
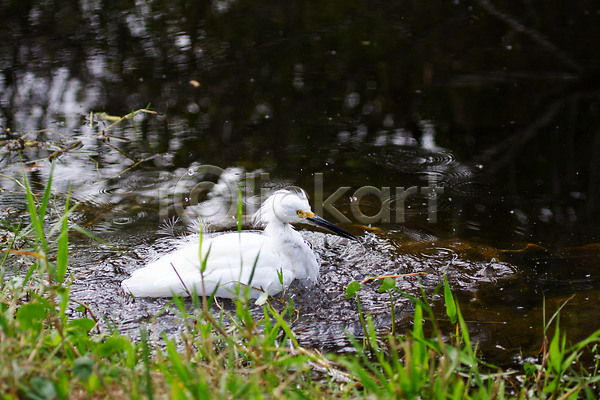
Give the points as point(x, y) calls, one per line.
point(267, 262)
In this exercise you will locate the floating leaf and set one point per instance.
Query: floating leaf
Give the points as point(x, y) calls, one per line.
point(352, 288)
point(386, 285)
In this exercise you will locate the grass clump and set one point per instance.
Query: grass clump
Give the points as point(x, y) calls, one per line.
point(44, 354)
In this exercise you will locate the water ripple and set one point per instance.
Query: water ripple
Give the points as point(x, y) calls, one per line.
point(409, 159)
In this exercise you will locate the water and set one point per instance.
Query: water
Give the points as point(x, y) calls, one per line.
point(459, 143)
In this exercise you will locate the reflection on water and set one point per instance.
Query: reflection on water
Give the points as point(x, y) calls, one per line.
point(495, 105)
point(134, 209)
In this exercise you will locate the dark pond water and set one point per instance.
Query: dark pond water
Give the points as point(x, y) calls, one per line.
point(458, 138)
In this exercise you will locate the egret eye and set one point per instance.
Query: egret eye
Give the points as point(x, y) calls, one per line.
point(300, 213)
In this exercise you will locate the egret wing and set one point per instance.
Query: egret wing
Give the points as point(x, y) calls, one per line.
point(231, 259)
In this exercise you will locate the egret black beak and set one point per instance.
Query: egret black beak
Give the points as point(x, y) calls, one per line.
point(323, 223)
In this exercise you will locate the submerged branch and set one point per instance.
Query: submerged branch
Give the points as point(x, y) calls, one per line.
point(532, 33)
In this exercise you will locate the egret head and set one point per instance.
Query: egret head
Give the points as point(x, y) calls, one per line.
point(284, 205)
point(292, 206)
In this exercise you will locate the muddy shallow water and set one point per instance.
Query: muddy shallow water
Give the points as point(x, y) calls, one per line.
point(325, 316)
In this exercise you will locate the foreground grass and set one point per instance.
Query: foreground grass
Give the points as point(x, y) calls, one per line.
point(44, 354)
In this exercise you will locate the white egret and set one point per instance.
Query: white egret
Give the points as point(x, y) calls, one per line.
point(267, 262)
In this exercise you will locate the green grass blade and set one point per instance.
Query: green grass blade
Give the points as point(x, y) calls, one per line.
point(177, 366)
point(594, 337)
point(203, 264)
point(62, 255)
point(370, 385)
point(284, 325)
point(450, 303)
point(555, 353)
point(33, 216)
point(146, 361)
point(46, 198)
point(419, 349)
point(204, 261)
point(253, 269)
point(96, 238)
